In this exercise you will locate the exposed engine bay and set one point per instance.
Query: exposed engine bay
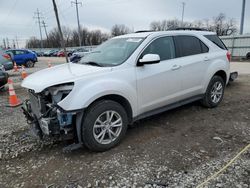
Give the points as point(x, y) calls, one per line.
point(47, 117)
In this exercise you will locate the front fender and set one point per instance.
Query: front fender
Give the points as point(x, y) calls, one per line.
point(83, 94)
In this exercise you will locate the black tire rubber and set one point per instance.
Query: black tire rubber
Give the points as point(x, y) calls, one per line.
point(248, 56)
point(29, 64)
point(89, 119)
point(207, 101)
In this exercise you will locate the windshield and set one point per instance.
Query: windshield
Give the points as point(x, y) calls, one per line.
point(113, 52)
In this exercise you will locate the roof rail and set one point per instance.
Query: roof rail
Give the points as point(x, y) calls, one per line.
point(143, 31)
point(190, 28)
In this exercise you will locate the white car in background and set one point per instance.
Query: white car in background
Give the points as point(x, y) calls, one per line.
point(81, 52)
point(125, 79)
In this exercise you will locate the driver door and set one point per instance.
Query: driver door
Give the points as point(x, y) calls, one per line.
point(158, 84)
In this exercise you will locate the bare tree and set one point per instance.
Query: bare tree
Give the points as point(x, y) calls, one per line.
point(223, 26)
point(219, 24)
point(119, 30)
point(33, 42)
point(166, 25)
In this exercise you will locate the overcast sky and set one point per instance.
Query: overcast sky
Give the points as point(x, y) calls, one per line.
point(16, 16)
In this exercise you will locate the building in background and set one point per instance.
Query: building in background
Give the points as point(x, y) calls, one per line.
point(238, 45)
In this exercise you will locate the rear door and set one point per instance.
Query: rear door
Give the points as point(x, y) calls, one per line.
point(194, 60)
point(158, 84)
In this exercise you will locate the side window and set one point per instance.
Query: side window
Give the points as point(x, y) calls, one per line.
point(216, 40)
point(12, 52)
point(204, 48)
point(189, 45)
point(19, 52)
point(163, 46)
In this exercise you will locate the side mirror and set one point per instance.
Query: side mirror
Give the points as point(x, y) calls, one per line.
point(149, 59)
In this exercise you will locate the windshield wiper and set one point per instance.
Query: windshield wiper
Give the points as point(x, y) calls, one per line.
point(93, 63)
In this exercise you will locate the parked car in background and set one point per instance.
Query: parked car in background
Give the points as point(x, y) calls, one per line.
point(50, 53)
point(54, 54)
point(38, 53)
point(3, 77)
point(70, 52)
point(61, 53)
point(123, 80)
point(5, 60)
point(23, 57)
point(75, 58)
point(81, 51)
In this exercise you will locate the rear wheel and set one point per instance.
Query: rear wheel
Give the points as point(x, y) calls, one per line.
point(30, 64)
point(214, 93)
point(104, 125)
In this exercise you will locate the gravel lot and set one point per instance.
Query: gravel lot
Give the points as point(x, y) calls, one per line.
point(178, 148)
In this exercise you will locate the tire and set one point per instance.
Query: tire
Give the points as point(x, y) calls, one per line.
point(29, 64)
point(248, 56)
point(214, 93)
point(97, 132)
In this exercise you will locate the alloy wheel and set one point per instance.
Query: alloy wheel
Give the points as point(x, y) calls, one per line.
point(107, 127)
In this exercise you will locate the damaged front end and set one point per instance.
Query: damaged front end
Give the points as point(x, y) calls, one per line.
point(49, 119)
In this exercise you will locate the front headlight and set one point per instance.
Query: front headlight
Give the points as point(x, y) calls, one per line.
point(59, 92)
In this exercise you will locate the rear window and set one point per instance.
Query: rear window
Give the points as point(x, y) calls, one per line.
point(189, 45)
point(216, 40)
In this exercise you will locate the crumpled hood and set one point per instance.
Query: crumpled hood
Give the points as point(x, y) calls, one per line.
point(60, 74)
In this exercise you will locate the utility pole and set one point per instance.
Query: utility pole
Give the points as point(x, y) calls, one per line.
point(183, 11)
point(4, 43)
point(242, 17)
point(14, 45)
point(78, 22)
point(38, 17)
point(44, 26)
point(60, 31)
point(7, 42)
point(17, 45)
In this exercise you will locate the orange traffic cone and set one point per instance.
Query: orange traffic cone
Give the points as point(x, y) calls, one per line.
point(49, 64)
point(15, 67)
point(23, 73)
point(13, 100)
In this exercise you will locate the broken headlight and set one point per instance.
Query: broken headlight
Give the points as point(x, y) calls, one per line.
point(59, 92)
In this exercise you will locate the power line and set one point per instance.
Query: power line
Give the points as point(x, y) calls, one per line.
point(11, 9)
point(38, 17)
point(78, 22)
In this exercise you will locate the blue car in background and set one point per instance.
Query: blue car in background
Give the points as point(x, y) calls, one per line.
point(23, 57)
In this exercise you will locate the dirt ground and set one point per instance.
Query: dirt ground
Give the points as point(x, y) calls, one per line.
point(178, 148)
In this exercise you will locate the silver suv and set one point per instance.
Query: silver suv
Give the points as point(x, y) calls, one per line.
point(123, 80)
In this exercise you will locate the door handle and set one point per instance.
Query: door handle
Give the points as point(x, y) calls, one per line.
point(206, 59)
point(176, 67)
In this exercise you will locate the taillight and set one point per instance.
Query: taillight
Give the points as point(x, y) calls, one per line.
point(229, 56)
point(6, 56)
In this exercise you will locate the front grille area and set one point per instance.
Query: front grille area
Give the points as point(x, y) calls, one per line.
point(35, 104)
